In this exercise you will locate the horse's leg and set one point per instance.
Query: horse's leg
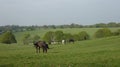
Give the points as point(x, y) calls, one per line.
point(46, 50)
point(39, 49)
point(36, 50)
point(43, 49)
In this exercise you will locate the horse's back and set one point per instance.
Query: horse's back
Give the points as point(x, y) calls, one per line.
point(41, 44)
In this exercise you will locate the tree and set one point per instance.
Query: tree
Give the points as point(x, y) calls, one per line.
point(112, 24)
point(36, 38)
point(8, 38)
point(67, 36)
point(116, 33)
point(45, 26)
point(76, 37)
point(53, 26)
point(58, 36)
point(105, 32)
point(49, 36)
point(83, 36)
point(100, 25)
point(26, 39)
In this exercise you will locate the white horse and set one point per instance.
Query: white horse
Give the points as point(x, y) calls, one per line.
point(63, 41)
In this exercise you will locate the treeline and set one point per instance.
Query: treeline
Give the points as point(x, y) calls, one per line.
point(53, 37)
point(57, 36)
point(17, 28)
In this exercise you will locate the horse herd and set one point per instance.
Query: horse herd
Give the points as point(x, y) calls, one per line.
point(44, 45)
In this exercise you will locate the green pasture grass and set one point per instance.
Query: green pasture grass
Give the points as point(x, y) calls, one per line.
point(104, 52)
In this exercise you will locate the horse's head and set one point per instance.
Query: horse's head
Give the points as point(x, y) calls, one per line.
point(47, 46)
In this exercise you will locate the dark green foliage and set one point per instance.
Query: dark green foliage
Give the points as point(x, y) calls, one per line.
point(102, 33)
point(83, 36)
point(8, 38)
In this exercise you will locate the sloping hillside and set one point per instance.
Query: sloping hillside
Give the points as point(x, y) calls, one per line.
point(103, 52)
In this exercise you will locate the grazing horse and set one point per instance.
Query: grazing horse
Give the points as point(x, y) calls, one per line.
point(63, 41)
point(41, 44)
point(71, 40)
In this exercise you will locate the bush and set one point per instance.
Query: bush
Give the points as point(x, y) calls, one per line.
point(83, 36)
point(103, 33)
point(49, 36)
point(67, 36)
point(58, 36)
point(116, 33)
point(8, 38)
point(36, 38)
point(76, 37)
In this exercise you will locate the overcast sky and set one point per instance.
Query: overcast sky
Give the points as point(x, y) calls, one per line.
point(58, 12)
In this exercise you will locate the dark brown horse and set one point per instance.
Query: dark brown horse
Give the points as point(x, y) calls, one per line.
point(41, 44)
point(71, 40)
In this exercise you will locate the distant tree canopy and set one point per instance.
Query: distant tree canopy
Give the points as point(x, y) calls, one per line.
point(103, 33)
point(8, 38)
point(16, 28)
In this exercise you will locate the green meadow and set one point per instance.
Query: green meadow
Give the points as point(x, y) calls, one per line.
point(103, 52)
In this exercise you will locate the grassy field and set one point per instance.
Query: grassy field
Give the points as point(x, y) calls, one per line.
point(103, 52)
